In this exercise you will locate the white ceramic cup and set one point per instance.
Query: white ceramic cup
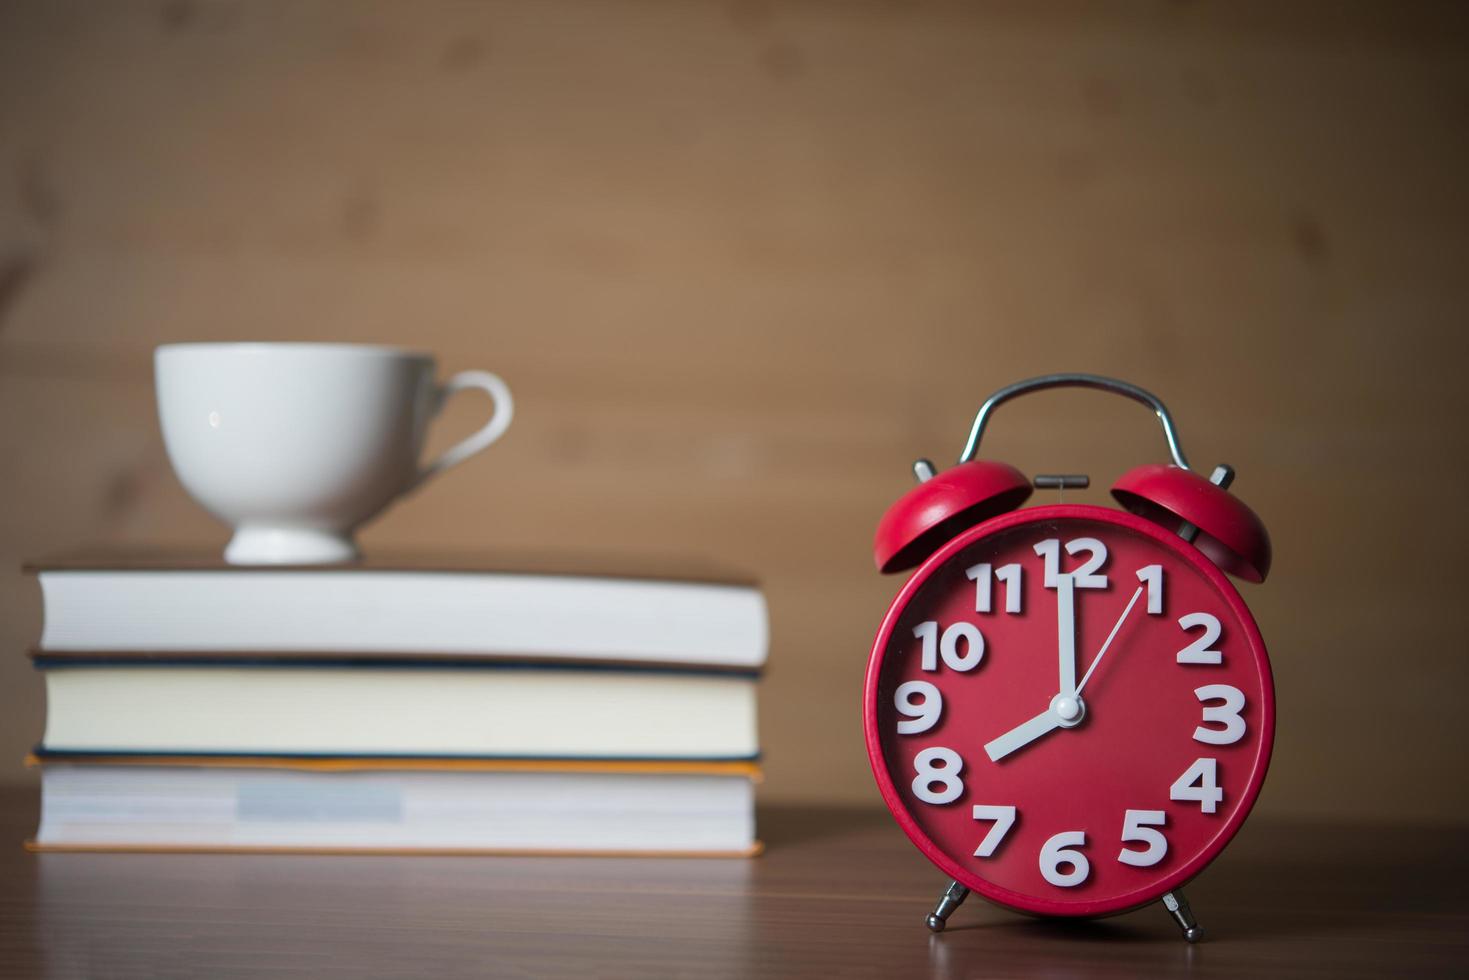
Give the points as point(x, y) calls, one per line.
point(296, 445)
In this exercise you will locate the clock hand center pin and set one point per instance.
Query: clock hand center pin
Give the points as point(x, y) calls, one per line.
point(1069, 709)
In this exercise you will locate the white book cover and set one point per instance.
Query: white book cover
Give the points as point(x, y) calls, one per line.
point(164, 605)
point(461, 710)
point(99, 806)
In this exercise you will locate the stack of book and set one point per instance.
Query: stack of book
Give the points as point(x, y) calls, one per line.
point(193, 705)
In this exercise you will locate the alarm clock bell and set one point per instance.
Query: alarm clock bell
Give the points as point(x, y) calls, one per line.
point(941, 506)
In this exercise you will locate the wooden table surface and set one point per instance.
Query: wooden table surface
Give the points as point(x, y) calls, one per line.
point(839, 892)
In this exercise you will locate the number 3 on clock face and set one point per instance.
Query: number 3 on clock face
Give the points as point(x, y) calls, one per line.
point(1069, 710)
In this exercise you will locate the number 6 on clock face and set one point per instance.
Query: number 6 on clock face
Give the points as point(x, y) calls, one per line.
point(1061, 850)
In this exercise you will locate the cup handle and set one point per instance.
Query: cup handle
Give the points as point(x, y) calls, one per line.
point(492, 430)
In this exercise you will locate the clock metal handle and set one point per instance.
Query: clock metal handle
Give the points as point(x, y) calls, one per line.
point(1097, 381)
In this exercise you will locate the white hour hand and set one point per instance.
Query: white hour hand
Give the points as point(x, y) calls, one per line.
point(1022, 735)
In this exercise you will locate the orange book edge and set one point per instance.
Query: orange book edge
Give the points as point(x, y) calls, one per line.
point(748, 769)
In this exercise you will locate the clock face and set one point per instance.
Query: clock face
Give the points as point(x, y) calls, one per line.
point(1069, 710)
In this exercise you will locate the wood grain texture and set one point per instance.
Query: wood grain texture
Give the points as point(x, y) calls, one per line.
point(743, 261)
point(839, 892)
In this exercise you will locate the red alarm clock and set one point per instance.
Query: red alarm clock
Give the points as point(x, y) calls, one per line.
point(1069, 708)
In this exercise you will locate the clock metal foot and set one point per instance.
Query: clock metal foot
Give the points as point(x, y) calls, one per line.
point(953, 897)
point(1178, 907)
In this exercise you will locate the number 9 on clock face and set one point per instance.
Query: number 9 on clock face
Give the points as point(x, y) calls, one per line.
point(1069, 710)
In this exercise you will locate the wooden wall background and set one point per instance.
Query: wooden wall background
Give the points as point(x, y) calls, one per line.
point(743, 261)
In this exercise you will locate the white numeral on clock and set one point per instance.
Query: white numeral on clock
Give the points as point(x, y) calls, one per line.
point(948, 645)
point(1004, 818)
point(1152, 577)
point(1137, 826)
point(1060, 850)
point(1226, 714)
point(938, 767)
point(1085, 577)
point(983, 575)
point(923, 715)
point(1200, 784)
point(1199, 652)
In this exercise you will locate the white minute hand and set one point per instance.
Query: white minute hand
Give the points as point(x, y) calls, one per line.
point(1110, 637)
point(1066, 631)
